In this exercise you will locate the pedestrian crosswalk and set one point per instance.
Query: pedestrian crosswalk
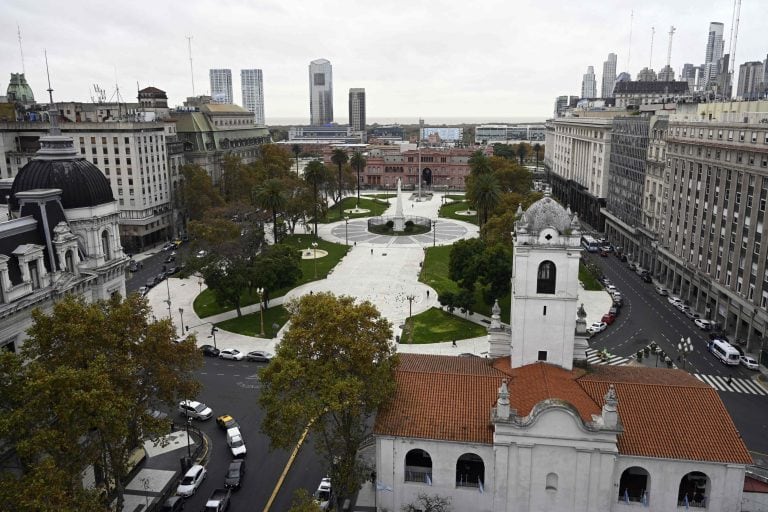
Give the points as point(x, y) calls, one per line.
point(737, 385)
point(595, 357)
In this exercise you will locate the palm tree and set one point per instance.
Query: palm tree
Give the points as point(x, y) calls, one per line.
point(339, 157)
point(314, 175)
point(296, 150)
point(479, 164)
point(522, 150)
point(358, 161)
point(271, 196)
point(485, 195)
point(537, 149)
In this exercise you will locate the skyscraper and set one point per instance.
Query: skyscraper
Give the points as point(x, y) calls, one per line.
point(221, 85)
point(589, 84)
point(750, 80)
point(320, 92)
point(688, 74)
point(609, 76)
point(713, 54)
point(252, 85)
point(357, 109)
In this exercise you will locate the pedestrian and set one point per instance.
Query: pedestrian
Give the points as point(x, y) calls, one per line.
point(729, 380)
point(454, 343)
point(371, 251)
point(427, 293)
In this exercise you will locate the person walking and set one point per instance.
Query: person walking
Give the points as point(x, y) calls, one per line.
point(454, 343)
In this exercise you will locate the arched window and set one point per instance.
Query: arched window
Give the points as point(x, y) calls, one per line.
point(545, 279)
point(470, 471)
point(418, 467)
point(693, 490)
point(634, 485)
point(105, 245)
point(551, 484)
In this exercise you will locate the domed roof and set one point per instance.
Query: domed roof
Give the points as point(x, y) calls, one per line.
point(82, 184)
point(545, 213)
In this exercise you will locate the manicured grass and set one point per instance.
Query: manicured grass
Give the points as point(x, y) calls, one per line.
point(588, 279)
point(250, 325)
point(456, 197)
point(435, 274)
point(381, 196)
point(436, 325)
point(205, 304)
point(449, 211)
point(375, 206)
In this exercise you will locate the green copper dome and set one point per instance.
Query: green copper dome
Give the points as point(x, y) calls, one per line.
point(19, 90)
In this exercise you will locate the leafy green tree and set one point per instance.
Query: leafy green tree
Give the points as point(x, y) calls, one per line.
point(496, 271)
point(427, 503)
point(522, 151)
point(227, 279)
point(333, 369)
point(339, 157)
point(358, 161)
point(483, 192)
point(278, 266)
point(299, 203)
point(197, 192)
point(511, 176)
point(465, 260)
point(314, 174)
point(271, 196)
point(447, 299)
point(274, 160)
point(237, 180)
point(303, 502)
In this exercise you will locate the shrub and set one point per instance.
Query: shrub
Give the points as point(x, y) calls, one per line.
point(390, 224)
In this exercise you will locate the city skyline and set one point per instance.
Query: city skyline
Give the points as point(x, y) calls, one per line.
point(494, 72)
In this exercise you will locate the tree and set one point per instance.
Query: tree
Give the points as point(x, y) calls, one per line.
point(427, 503)
point(314, 174)
point(479, 164)
point(483, 192)
point(278, 266)
point(464, 261)
point(237, 180)
point(304, 502)
point(197, 192)
point(496, 271)
point(339, 157)
point(358, 162)
point(85, 393)
point(274, 160)
point(270, 196)
point(226, 278)
point(333, 369)
point(522, 151)
point(296, 149)
point(537, 152)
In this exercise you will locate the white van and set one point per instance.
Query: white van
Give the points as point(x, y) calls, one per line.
point(725, 352)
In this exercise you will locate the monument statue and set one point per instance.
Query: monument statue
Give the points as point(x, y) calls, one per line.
point(399, 220)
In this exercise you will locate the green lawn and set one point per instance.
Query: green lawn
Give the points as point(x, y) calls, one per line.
point(436, 325)
point(205, 304)
point(375, 206)
point(435, 274)
point(449, 211)
point(588, 279)
point(250, 325)
point(381, 196)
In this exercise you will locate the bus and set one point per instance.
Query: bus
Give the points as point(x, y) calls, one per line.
point(589, 243)
point(724, 351)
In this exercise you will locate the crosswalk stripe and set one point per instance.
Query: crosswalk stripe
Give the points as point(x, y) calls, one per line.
point(593, 357)
point(738, 385)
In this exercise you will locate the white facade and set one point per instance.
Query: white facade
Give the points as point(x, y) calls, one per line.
point(589, 84)
point(320, 92)
point(609, 76)
point(221, 86)
point(252, 86)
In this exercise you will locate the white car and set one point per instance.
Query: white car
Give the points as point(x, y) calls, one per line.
point(662, 291)
point(236, 443)
point(231, 353)
point(201, 254)
point(749, 362)
point(597, 327)
point(323, 494)
point(191, 481)
point(674, 300)
point(193, 409)
point(703, 324)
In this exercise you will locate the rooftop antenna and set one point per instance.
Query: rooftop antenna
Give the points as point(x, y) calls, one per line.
point(629, 52)
point(21, 50)
point(101, 95)
point(650, 60)
point(52, 114)
point(669, 47)
point(191, 71)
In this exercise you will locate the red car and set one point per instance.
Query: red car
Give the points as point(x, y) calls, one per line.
point(608, 318)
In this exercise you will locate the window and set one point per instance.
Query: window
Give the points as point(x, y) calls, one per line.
point(693, 490)
point(542, 355)
point(418, 467)
point(551, 484)
point(470, 471)
point(634, 485)
point(105, 245)
point(545, 282)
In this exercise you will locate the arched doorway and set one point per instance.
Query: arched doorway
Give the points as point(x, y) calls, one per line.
point(426, 176)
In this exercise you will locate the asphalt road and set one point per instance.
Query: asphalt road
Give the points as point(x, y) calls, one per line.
point(232, 387)
point(647, 316)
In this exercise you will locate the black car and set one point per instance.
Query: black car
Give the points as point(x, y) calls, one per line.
point(173, 504)
point(718, 335)
point(646, 278)
point(235, 474)
point(210, 351)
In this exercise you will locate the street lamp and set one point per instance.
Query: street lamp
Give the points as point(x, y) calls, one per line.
point(434, 230)
point(314, 249)
point(410, 299)
point(655, 350)
point(685, 347)
point(260, 292)
point(181, 317)
point(346, 230)
point(213, 333)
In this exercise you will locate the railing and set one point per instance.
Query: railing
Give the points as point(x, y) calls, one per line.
point(421, 475)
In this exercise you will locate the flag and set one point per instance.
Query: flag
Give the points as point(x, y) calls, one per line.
point(626, 496)
point(645, 499)
point(480, 486)
point(686, 501)
point(428, 478)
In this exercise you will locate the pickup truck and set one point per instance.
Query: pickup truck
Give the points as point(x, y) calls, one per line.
point(218, 501)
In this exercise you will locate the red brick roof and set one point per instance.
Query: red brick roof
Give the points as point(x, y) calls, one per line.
point(450, 398)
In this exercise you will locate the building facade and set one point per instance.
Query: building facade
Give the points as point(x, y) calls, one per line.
point(636, 93)
point(751, 85)
point(221, 86)
point(252, 87)
point(589, 84)
point(654, 192)
point(667, 74)
point(320, 92)
point(502, 133)
point(609, 76)
point(357, 109)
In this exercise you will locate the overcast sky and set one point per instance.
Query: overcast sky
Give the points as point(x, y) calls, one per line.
point(445, 58)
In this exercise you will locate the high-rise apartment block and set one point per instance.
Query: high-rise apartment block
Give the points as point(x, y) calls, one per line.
point(320, 92)
point(713, 54)
point(609, 76)
point(357, 109)
point(252, 86)
point(689, 74)
point(221, 86)
point(751, 76)
point(589, 84)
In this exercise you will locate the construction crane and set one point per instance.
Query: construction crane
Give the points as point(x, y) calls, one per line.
point(650, 60)
point(734, 35)
point(669, 47)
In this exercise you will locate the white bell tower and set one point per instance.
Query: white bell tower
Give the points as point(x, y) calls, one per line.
point(545, 284)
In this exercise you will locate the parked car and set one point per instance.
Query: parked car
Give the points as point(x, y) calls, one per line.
point(618, 297)
point(614, 311)
point(196, 410)
point(173, 504)
point(323, 494)
point(133, 266)
point(201, 254)
point(236, 443)
point(143, 290)
point(231, 353)
point(672, 299)
point(618, 302)
point(662, 291)
point(749, 362)
point(608, 319)
point(718, 335)
point(172, 270)
point(632, 265)
point(647, 278)
point(210, 351)
point(235, 474)
point(169, 246)
point(703, 324)
point(611, 289)
point(226, 422)
point(170, 258)
point(218, 501)
point(683, 307)
point(259, 356)
point(150, 282)
point(160, 277)
point(693, 315)
point(597, 327)
point(191, 480)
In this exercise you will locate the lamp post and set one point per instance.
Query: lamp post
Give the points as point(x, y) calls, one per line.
point(260, 292)
point(181, 317)
point(410, 299)
point(434, 230)
point(213, 333)
point(168, 300)
point(346, 230)
point(655, 350)
point(314, 256)
point(685, 347)
point(188, 421)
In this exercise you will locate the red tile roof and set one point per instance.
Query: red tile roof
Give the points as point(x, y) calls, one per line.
point(450, 398)
point(754, 485)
